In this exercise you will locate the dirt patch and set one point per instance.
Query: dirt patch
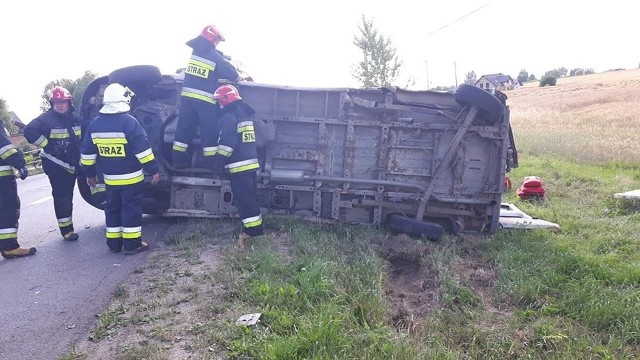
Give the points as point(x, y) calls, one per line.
point(482, 276)
point(411, 287)
point(156, 313)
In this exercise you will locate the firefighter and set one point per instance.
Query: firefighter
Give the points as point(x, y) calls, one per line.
point(57, 132)
point(197, 105)
point(237, 151)
point(120, 144)
point(10, 158)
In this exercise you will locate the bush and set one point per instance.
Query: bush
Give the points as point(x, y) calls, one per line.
point(548, 80)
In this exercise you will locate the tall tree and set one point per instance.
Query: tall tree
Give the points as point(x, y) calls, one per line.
point(523, 76)
point(471, 78)
point(6, 117)
point(76, 88)
point(379, 65)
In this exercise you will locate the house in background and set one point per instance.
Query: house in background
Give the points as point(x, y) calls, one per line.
point(493, 82)
point(17, 138)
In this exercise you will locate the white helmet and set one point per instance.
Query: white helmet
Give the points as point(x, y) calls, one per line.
point(116, 99)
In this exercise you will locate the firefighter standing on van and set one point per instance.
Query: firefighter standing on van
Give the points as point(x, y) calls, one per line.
point(237, 150)
point(57, 132)
point(10, 158)
point(120, 144)
point(197, 105)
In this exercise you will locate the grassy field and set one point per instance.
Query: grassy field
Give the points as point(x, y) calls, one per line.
point(350, 292)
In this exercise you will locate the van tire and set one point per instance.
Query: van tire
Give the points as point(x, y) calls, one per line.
point(490, 105)
point(413, 227)
point(147, 74)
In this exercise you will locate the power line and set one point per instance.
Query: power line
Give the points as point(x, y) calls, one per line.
point(458, 19)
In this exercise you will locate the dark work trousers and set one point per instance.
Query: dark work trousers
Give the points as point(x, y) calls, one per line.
point(244, 186)
point(123, 215)
point(62, 185)
point(194, 113)
point(9, 214)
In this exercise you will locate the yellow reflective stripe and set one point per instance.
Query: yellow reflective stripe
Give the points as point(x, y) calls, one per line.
point(202, 62)
point(88, 159)
point(7, 173)
point(41, 141)
point(70, 169)
point(114, 232)
point(179, 146)
point(98, 188)
point(145, 156)
point(7, 151)
point(225, 150)
point(124, 179)
point(243, 168)
point(209, 150)
point(65, 222)
point(59, 134)
point(109, 138)
point(245, 126)
point(252, 221)
point(131, 232)
point(8, 233)
point(109, 141)
point(77, 130)
point(198, 97)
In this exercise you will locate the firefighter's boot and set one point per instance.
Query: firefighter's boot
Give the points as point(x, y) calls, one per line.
point(242, 239)
point(144, 246)
point(18, 252)
point(71, 236)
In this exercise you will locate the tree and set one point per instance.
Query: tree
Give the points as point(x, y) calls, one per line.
point(557, 73)
point(532, 77)
point(548, 80)
point(76, 88)
point(6, 117)
point(470, 78)
point(523, 76)
point(380, 65)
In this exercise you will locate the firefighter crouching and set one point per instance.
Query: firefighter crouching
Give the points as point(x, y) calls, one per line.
point(120, 144)
point(57, 132)
point(237, 151)
point(10, 158)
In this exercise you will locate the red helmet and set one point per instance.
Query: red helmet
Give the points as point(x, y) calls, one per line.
point(226, 94)
point(59, 93)
point(212, 34)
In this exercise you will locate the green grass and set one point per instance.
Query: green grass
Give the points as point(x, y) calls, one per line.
point(356, 292)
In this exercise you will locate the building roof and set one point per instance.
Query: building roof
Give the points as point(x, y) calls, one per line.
point(16, 120)
point(496, 79)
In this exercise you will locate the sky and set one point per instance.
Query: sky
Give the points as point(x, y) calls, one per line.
point(310, 43)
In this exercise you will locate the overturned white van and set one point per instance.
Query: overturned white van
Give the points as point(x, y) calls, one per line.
point(419, 162)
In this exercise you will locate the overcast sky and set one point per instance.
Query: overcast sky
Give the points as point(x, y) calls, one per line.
point(310, 43)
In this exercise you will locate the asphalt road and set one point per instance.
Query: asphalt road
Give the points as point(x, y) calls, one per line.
point(50, 300)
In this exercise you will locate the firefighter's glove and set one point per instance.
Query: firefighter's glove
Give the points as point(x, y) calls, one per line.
point(23, 173)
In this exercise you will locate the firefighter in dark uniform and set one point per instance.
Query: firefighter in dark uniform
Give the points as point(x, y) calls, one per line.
point(197, 105)
point(118, 142)
point(10, 158)
point(238, 152)
point(57, 132)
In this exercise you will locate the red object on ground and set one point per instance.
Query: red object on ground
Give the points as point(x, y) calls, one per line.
point(531, 188)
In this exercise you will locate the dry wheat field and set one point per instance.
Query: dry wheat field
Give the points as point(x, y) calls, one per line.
point(588, 119)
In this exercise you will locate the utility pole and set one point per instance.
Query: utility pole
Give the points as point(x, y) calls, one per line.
point(455, 72)
point(426, 63)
